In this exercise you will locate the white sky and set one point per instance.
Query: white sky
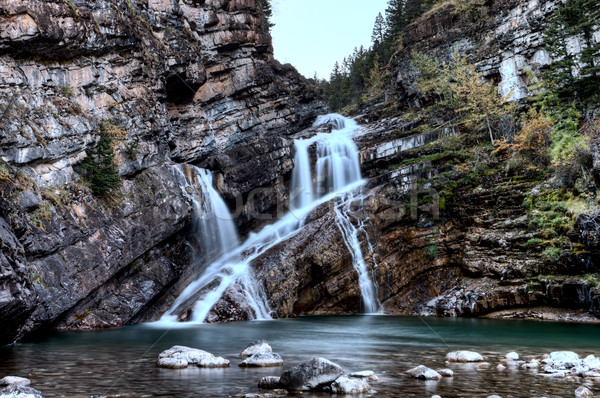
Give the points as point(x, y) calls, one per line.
point(313, 34)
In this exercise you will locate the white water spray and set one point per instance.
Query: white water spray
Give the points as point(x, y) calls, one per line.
point(337, 172)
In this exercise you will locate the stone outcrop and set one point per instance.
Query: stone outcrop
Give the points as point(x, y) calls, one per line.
point(171, 81)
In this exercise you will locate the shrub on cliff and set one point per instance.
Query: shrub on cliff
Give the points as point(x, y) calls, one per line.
point(99, 167)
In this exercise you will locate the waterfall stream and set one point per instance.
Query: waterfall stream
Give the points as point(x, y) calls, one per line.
point(336, 175)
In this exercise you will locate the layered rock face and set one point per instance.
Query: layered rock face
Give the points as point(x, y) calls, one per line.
point(171, 81)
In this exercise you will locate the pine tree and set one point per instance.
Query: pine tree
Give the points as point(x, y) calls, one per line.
point(378, 34)
point(267, 11)
point(573, 19)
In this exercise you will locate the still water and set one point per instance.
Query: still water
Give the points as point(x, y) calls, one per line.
point(122, 361)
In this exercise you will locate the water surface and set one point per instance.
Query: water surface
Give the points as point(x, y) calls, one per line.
point(123, 361)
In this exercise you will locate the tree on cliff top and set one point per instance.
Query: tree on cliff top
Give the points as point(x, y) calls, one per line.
point(267, 11)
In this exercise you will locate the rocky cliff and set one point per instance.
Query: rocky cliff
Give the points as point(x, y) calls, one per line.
point(171, 81)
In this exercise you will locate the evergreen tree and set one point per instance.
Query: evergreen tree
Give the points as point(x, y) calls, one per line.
point(573, 76)
point(267, 11)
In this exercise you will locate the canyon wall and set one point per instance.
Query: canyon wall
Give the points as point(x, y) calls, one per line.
point(171, 81)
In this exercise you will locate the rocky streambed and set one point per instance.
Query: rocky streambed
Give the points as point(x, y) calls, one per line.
point(124, 361)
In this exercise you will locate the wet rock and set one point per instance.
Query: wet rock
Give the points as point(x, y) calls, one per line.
point(269, 383)
point(263, 359)
point(19, 391)
point(12, 380)
point(512, 356)
point(194, 356)
point(368, 375)
point(172, 363)
point(349, 385)
point(312, 374)
point(583, 392)
point(494, 396)
point(257, 346)
point(446, 372)
point(564, 359)
point(424, 373)
point(435, 396)
point(592, 362)
point(464, 356)
point(501, 367)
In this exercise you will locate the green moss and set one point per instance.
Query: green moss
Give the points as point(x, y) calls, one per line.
point(552, 254)
point(592, 280)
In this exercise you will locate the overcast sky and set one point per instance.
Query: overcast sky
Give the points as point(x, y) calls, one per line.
point(313, 34)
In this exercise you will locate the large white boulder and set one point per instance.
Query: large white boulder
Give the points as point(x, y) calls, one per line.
point(564, 359)
point(349, 385)
point(257, 346)
point(464, 356)
point(194, 356)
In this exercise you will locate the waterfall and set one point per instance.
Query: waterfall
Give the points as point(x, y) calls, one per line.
point(350, 234)
point(213, 224)
point(337, 173)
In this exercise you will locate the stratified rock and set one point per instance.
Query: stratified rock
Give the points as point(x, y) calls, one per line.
point(269, 383)
point(194, 356)
point(312, 374)
point(583, 392)
point(446, 372)
point(464, 356)
point(172, 363)
point(512, 356)
point(368, 375)
point(424, 373)
point(257, 346)
point(19, 391)
point(11, 380)
point(349, 385)
point(564, 359)
point(263, 359)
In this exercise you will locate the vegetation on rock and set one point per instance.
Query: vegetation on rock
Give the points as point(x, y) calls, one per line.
point(99, 167)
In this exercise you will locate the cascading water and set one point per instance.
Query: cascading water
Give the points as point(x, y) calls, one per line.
point(337, 172)
point(214, 225)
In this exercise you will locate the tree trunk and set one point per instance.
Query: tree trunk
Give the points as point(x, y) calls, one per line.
point(487, 120)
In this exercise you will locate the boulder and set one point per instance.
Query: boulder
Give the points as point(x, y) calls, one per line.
point(592, 362)
point(312, 374)
point(257, 346)
point(19, 390)
point(424, 373)
point(564, 359)
point(446, 372)
point(172, 363)
point(464, 356)
point(349, 385)
point(11, 380)
point(269, 383)
point(192, 356)
point(368, 375)
point(583, 392)
point(263, 359)
point(512, 356)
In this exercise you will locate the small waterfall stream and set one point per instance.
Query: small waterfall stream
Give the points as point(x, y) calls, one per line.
point(337, 174)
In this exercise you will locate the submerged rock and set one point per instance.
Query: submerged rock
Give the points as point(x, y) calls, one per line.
point(583, 392)
point(257, 346)
point(192, 356)
point(263, 359)
point(11, 380)
point(349, 385)
point(269, 383)
point(368, 375)
point(464, 356)
point(312, 374)
point(424, 373)
point(19, 390)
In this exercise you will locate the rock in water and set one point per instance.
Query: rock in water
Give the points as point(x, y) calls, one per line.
point(583, 392)
point(349, 385)
point(566, 359)
point(257, 346)
point(263, 359)
point(368, 375)
point(11, 380)
point(424, 373)
point(269, 383)
point(311, 375)
point(172, 363)
point(464, 356)
point(19, 390)
point(446, 372)
point(512, 355)
point(192, 356)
